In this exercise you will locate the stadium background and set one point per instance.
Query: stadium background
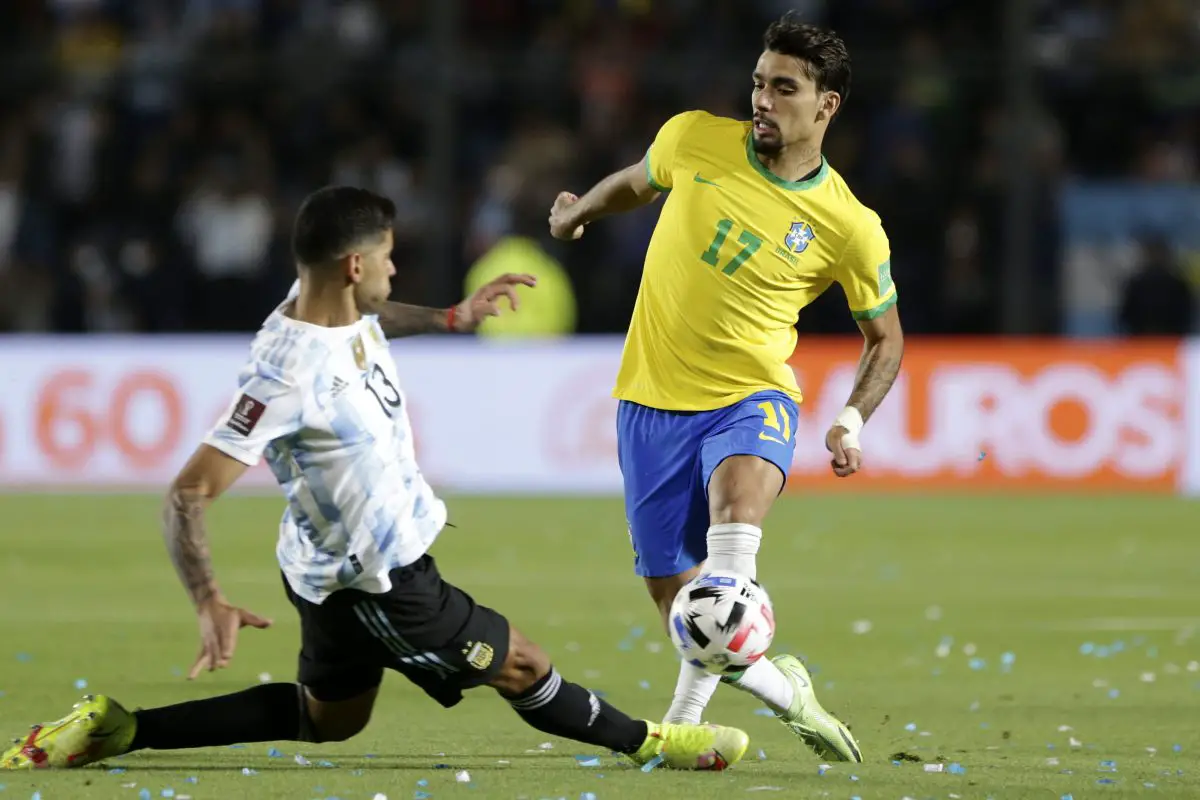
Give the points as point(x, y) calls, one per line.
point(1034, 163)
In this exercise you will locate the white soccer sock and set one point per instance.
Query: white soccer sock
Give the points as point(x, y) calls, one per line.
point(765, 681)
point(692, 693)
point(733, 546)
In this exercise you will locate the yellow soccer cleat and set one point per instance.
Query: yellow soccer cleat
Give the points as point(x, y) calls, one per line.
point(97, 728)
point(699, 747)
point(824, 733)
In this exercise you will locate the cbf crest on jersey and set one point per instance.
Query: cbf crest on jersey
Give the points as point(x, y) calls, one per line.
point(798, 237)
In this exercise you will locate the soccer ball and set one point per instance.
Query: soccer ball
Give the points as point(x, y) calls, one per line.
point(722, 622)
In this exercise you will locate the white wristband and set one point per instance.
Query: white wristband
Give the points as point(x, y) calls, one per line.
point(852, 421)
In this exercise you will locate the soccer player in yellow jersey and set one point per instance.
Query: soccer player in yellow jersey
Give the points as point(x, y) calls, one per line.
point(756, 225)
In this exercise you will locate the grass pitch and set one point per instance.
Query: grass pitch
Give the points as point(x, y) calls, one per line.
point(1028, 647)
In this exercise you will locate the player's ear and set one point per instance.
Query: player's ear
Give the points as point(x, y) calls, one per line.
point(353, 266)
point(829, 105)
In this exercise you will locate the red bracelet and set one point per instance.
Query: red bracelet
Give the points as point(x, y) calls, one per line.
point(450, 315)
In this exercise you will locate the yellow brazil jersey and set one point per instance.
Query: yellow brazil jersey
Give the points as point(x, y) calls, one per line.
point(736, 254)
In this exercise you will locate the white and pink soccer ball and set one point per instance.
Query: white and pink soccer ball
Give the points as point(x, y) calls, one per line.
point(722, 622)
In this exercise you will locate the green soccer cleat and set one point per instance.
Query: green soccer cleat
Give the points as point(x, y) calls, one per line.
point(698, 747)
point(819, 729)
point(97, 728)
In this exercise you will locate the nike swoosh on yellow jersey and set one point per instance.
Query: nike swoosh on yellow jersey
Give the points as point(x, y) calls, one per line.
point(700, 179)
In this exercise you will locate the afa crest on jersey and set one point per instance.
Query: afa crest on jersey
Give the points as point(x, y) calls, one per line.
point(798, 237)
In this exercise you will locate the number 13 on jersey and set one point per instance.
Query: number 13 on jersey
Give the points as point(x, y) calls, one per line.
point(750, 244)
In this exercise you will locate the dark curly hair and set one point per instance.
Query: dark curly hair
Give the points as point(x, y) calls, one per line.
point(822, 52)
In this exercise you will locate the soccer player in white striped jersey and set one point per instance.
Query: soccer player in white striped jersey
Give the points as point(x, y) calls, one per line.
point(320, 400)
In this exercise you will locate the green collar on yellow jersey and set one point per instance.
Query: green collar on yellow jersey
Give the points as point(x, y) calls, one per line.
point(792, 186)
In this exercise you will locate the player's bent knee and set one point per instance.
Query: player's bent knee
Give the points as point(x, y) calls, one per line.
point(336, 721)
point(524, 666)
point(742, 489)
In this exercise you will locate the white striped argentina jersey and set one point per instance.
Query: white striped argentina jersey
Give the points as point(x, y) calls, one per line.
point(324, 407)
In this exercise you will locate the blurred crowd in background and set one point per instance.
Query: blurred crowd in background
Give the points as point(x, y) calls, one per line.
point(152, 152)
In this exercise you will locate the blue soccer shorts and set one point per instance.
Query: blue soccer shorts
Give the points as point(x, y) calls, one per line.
point(667, 459)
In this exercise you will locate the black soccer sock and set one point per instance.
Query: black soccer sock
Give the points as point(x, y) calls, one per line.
point(567, 709)
point(267, 713)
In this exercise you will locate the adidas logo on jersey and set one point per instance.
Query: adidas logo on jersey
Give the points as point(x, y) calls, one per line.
point(338, 387)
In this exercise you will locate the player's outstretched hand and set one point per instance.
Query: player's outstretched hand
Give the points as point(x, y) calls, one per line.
point(562, 218)
point(846, 460)
point(484, 302)
point(219, 626)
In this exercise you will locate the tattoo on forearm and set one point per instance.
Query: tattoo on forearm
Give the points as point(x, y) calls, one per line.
point(187, 544)
point(877, 371)
point(399, 319)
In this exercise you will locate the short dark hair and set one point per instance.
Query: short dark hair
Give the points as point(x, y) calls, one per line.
point(823, 53)
point(332, 221)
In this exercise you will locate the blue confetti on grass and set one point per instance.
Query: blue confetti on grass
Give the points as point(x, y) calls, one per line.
point(588, 761)
point(625, 645)
point(191, 779)
point(24, 658)
point(1178, 748)
point(37, 796)
point(81, 683)
point(822, 769)
point(912, 726)
point(957, 769)
point(644, 684)
point(1101, 652)
point(249, 773)
point(1087, 648)
point(762, 755)
point(1106, 781)
point(1148, 785)
point(144, 794)
point(587, 796)
point(419, 795)
point(326, 764)
point(1113, 694)
point(638, 632)
point(1118, 646)
point(168, 793)
point(422, 782)
point(764, 712)
point(274, 753)
point(977, 664)
point(117, 771)
point(1067, 797)
point(652, 763)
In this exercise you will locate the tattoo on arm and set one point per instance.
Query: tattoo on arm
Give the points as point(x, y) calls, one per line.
point(399, 319)
point(187, 544)
point(877, 371)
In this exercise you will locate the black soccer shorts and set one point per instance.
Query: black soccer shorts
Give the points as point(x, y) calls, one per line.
point(428, 630)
